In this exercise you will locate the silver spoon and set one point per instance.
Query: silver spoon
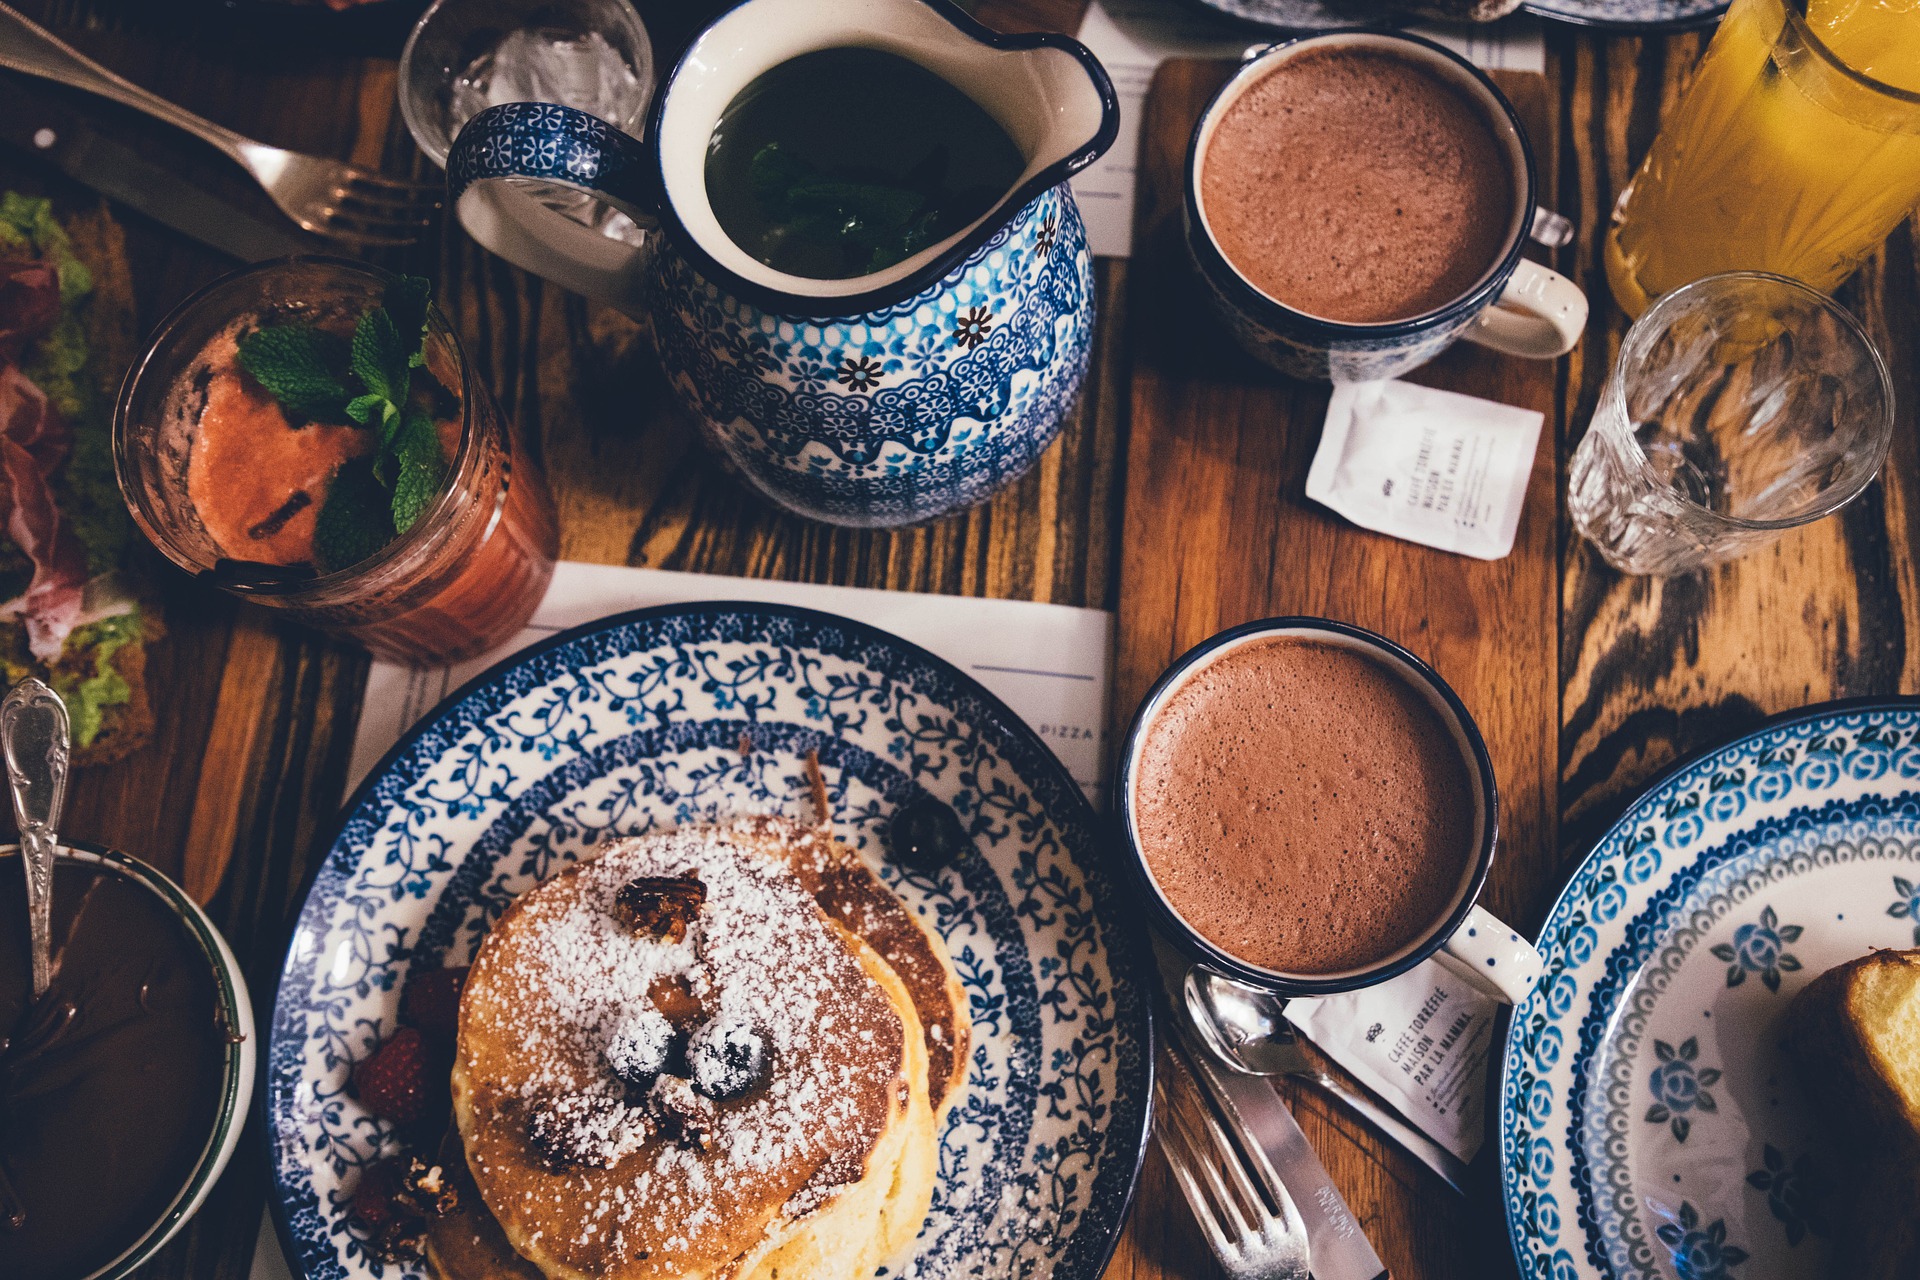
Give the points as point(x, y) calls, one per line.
point(1247, 1030)
point(35, 738)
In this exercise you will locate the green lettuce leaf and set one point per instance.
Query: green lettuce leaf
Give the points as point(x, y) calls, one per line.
point(86, 490)
point(86, 678)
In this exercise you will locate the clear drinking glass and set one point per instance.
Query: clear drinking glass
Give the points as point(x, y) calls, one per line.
point(1741, 405)
point(464, 578)
point(467, 55)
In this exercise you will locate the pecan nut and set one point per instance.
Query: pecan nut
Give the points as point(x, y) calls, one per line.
point(660, 906)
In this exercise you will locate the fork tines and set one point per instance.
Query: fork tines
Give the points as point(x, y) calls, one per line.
point(1242, 1214)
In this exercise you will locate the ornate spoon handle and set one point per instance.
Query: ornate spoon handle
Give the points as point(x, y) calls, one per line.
point(34, 737)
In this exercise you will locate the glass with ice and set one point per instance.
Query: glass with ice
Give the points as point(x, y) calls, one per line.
point(467, 55)
point(1741, 405)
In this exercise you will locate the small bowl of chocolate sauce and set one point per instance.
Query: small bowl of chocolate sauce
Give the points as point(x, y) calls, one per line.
point(124, 1088)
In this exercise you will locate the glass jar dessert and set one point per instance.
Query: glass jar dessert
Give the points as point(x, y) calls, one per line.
point(307, 434)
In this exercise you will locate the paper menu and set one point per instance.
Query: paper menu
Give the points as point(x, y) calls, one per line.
point(1048, 662)
point(1133, 37)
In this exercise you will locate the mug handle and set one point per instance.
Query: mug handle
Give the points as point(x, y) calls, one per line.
point(1540, 314)
point(1493, 956)
point(516, 141)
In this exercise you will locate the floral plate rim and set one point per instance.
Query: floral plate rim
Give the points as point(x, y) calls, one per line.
point(1129, 938)
point(1308, 17)
point(1512, 1165)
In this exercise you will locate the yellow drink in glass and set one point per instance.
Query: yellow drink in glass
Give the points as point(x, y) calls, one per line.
point(1795, 150)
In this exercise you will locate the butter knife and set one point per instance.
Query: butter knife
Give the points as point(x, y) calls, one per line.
point(37, 124)
point(1338, 1247)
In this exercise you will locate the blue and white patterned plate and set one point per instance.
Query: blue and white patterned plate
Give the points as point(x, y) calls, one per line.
point(1630, 15)
point(1613, 15)
point(1650, 1125)
point(635, 724)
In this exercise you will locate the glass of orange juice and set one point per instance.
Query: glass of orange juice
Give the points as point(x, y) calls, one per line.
point(1795, 151)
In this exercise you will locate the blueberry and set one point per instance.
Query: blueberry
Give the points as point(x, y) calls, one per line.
point(640, 1047)
point(726, 1059)
point(925, 835)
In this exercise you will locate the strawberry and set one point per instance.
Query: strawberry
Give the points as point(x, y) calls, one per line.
point(432, 1003)
point(374, 1203)
point(397, 1082)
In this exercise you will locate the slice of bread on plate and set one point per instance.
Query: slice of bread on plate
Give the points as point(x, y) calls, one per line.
point(76, 608)
point(1854, 1035)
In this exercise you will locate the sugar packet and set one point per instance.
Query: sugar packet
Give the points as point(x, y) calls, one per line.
point(1422, 1041)
point(1430, 466)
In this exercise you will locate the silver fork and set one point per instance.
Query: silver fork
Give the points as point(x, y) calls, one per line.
point(324, 196)
point(1244, 1211)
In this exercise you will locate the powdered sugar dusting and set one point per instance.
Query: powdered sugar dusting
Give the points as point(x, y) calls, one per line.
point(761, 963)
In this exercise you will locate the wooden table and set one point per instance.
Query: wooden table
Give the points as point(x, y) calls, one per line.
point(241, 785)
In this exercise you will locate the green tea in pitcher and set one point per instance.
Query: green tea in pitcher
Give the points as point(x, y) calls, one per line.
point(843, 162)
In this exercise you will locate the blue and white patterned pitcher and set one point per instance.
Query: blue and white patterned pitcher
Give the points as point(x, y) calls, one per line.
point(884, 399)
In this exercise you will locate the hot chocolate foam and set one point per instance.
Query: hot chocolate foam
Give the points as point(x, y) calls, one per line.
point(1303, 807)
point(1357, 186)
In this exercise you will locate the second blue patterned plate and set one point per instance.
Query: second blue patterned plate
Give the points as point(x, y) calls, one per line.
point(637, 724)
point(1650, 1124)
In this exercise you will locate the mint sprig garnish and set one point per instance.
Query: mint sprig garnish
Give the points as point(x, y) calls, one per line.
point(355, 521)
point(317, 376)
point(301, 367)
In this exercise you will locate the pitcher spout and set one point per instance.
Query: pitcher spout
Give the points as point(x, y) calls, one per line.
point(1048, 91)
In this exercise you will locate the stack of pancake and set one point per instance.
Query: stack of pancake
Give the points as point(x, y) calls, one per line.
point(789, 1130)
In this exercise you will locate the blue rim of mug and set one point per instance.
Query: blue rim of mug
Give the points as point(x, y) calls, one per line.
point(1191, 941)
point(781, 302)
point(626, 172)
point(1242, 291)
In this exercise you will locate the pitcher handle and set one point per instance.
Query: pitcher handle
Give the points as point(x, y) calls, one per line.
point(560, 145)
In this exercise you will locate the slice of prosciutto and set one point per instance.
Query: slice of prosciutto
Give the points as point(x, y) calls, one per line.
point(29, 304)
point(34, 442)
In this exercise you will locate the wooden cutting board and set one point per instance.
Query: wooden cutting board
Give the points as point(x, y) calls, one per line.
point(1218, 530)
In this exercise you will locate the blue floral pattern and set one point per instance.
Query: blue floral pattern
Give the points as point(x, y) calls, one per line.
point(1906, 904)
point(1700, 1253)
point(638, 724)
point(1760, 948)
point(1795, 1192)
point(903, 414)
point(1679, 1087)
point(1798, 827)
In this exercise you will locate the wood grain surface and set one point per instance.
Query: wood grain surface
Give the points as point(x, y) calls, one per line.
point(1585, 682)
point(1218, 531)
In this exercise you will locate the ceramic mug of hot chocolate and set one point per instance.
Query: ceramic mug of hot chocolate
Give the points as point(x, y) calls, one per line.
point(1307, 808)
point(1357, 201)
